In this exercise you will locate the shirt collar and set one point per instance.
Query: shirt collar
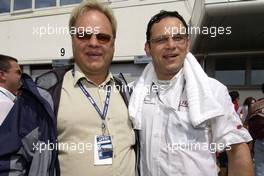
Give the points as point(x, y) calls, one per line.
point(78, 74)
point(8, 94)
point(168, 83)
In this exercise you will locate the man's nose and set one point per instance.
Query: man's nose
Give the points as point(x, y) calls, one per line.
point(93, 41)
point(171, 43)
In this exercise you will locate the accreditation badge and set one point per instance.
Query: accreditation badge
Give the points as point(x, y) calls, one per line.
point(103, 150)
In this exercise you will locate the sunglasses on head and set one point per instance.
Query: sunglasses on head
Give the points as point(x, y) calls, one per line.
point(102, 38)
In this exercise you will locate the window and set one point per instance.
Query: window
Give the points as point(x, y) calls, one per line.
point(67, 2)
point(237, 71)
point(37, 70)
point(44, 3)
point(4, 6)
point(230, 71)
point(257, 71)
point(22, 4)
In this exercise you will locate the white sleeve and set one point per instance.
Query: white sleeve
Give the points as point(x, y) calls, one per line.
point(228, 129)
point(4, 110)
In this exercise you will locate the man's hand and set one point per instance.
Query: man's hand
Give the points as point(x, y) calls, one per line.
point(239, 160)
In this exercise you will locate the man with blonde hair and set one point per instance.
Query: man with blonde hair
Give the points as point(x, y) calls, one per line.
point(89, 112)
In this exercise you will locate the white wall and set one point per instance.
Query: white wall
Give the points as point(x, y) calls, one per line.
point(133, 24)
point(29, 47)
point(19, 39)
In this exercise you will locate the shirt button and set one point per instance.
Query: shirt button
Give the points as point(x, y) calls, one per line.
point(115, 156)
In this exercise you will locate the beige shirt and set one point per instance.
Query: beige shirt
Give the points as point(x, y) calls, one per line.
point(79, 122)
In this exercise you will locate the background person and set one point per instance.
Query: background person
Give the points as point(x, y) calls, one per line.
point(255, 123)
point(235, 99)
point(10, 73)
point(245, 108)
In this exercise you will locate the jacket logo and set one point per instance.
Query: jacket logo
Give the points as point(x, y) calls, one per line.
point(184, 103)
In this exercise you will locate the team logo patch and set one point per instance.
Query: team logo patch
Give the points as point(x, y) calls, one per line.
point(184, 103)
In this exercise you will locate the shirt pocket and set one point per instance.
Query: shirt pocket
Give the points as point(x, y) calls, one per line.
point(181, 123)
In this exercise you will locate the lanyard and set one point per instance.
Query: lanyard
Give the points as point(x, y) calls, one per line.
point(106, 105)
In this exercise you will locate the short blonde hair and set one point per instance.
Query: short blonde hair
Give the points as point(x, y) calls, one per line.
point(87, 5)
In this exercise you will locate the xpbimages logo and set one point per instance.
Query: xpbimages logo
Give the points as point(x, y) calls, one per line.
point(80, 147)
point(212, 31)
point(122, 88)
point(41, 31)
point(193, 146)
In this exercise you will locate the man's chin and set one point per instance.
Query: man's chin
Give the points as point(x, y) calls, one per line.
point(95, 68)
point(174, 69)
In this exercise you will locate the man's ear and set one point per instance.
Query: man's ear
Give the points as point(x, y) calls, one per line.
point(2, 76)
point(147, 49)
point(113, 43)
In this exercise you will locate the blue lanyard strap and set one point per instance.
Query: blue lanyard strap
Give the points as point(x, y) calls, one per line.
point(89, 97)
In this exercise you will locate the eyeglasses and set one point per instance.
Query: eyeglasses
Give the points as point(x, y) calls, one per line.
point(102, 38)
point(177, 38)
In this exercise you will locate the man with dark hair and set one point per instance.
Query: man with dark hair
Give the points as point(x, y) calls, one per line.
point(10, 73)
point(182, 115)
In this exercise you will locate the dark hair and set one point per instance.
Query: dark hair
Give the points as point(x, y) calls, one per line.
point(248, 101)
point(161, 15)
point(262, 87)
point(5, 62)
point(234, 95)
